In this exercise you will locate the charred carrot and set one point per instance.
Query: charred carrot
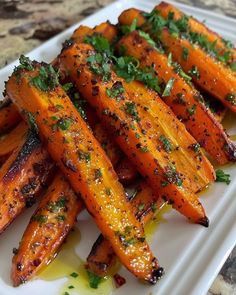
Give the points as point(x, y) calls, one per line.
point(119, 113)
point(82, 160)
point(108, 30)
point(22, 178)
point(102, 258)
point(184, 100)
point(9, 116)
point(54, 218)
point(207, 72)
point(10, 141)
point(223, 47)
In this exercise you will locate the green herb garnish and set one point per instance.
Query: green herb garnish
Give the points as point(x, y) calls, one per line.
point(64, 123)
point(116, 90)
point(172, 175)
point(166, 143)
point(185, 53)
point(41, 219)
point(168, 87)
point(47, 79)
point(231, 97)
point(74, 275)
point(221, 176)
point(94, 280)
point(192, 110)
point(128, 29)
point(130, 108)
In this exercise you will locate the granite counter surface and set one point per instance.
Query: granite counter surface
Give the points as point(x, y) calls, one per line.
point(24, 24)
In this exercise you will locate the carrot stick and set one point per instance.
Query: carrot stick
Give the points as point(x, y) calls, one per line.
point(165, 9)
point(48, 227)
point(184, 100)
point(82, 160)
point(22, 178)
point(102, 258)
point(123, 120)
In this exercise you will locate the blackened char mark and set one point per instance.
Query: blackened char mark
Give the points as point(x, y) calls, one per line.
point(32, 143)
point(98, 263)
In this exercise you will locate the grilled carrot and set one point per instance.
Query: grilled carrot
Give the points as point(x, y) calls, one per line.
point(184, 100)
point(102, 258)
point(120, 115)
point(207, 72)
point(108, 30)
point(82, 160)
point(223, 46)
point(9, 116)
point(22, 178)
point(48, 227)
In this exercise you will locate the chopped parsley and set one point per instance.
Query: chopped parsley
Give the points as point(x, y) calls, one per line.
point(32, 122)
point(172, 175)
point(194, 72)
point(25, 63)
point(130, 108)
point(192, 110)
point(231, 97)
point(94, 280)
point(98, 174)
point(100, 43)
point(166, 143)
point(221, 176)
point(142, 148)
point(74, 275)
point(185, 53)
point(64, 123)
point(47, 79)
point(233, 66)
point(168, 87)
point(67, 87)
point(84, 156)
point(41, 219)
point(141, 206)
point(180, 28)
point(61, 218)
point(100, 65)
point(147, 37)
point(128, 29)
point(57, 205)
point(116, 90)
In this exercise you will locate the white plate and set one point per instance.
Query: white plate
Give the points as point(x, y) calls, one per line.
point(191, 255)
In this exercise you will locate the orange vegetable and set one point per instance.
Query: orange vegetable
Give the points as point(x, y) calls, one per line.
point(124, 121)
point(184, 100)
point(82, 160)
point(48, 227)
point(108, 30)
point(165, 8)
point(10, 141)
point(9, 116)
point(213, 77)
point(208, 73)
point(102, 258)
point(22, 178)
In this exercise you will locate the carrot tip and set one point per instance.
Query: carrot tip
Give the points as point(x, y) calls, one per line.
point(157, 274)
point(204, 221)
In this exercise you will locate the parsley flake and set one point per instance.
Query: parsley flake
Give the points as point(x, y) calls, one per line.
point(221, 176)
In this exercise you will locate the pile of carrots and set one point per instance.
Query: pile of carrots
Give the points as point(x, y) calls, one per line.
point(143, 99)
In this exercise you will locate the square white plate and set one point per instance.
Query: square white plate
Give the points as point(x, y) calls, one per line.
point(191, 255)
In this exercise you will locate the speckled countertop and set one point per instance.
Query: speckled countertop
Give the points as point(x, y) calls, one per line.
point(24, 24)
